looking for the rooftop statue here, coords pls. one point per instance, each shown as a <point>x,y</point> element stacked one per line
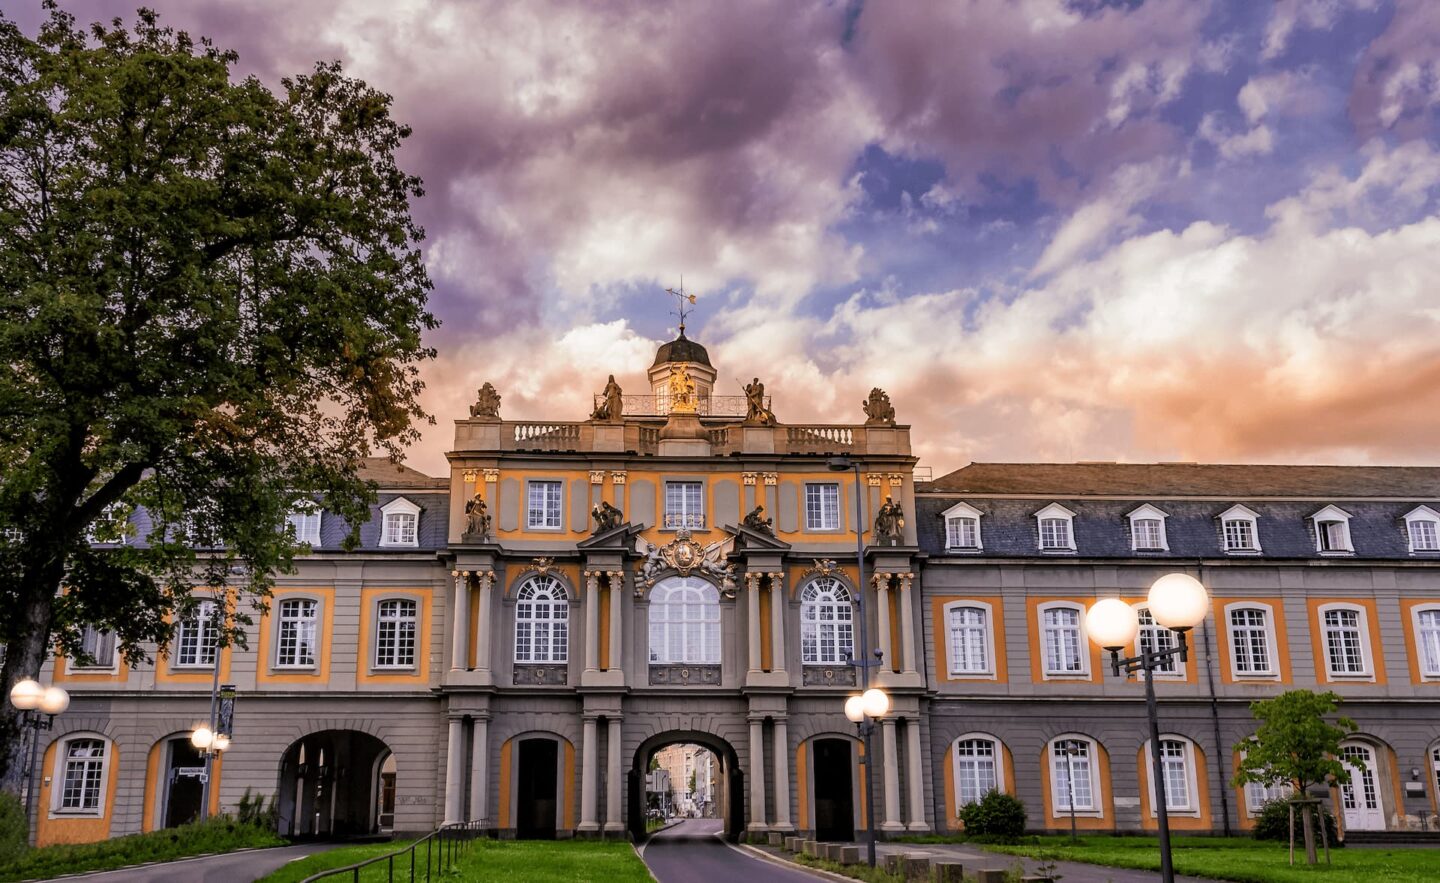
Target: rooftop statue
<point>487,403</point>
<point>890,523</point>
<point>878,410</point>
<point>612,409</point>
<point>477,518</point>
<point>606,516</point>
<point>757,521</point>
<point>682,391</point>
<point>755,411</point>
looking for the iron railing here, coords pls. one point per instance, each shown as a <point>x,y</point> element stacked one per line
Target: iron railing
<point>442,848</point>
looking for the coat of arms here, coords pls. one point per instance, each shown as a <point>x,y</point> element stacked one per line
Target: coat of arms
<point>683,555</point>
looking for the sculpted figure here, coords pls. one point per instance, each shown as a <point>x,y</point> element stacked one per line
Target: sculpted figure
<point>487,403</point>
<point>889,523</point>
<point>612,408</point>
<point>757,521</point>
<point>477,517</point>
<point>606,516</point>
<point>755,410</point>
<point>654,563</point>
<point>878,410</point>
<point>682,391</point>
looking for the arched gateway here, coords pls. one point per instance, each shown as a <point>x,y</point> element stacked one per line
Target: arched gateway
<point>732,780</point>
<point>336,784</point>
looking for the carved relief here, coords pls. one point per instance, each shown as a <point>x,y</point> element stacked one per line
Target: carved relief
<point>540,676</point>
<point>828,676</point>
<point>822,566</point>
<point>684,555</point>
<point>685,675</point>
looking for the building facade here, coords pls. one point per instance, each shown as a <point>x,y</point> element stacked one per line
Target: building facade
<point>513,642</point>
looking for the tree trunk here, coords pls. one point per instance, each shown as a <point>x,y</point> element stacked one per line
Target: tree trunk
<point>1307,819</point>
<point>23,659</point>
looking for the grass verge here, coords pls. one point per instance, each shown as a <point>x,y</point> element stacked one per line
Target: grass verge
<point>212,836</point>
<point>349,855</point>
<point>553,861</point>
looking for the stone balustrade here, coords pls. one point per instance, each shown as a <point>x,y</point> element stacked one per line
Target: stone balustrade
<point>640,437</point>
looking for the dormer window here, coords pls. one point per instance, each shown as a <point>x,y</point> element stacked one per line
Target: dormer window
<point>1239,529</point>
<point>1422,525</point>
<point>1147,530</point>
<point>962,528</point>
<point>1332,531</point>
<point>1055,523</point>
<point>400,522</point>
<point>304,522</point>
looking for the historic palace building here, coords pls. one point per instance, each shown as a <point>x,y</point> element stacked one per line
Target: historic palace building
<point>513,642</point>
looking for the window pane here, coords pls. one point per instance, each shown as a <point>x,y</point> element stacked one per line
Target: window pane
<point>543,504</point>
<point>684,504</point>
<point>822,507</point>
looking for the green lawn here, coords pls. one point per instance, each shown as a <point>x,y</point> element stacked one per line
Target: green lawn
<point>1247,861</point>
<point>216,835</point>
<point>349,855</point>
<point>559,861</point>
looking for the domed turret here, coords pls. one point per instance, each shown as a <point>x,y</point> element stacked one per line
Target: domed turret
<point>682,354</point>
<point>682,349</point>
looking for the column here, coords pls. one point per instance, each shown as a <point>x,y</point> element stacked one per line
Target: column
<point>777,624</point>
<point>892,778</point>
<point>588,759</point>
<point>460,623</point>
<point>782,776</point>
<point>752,592</point>
<point>480,771</point>
<point>915,772</point>
<point>617,596</point>
<point>454,771</point>
<point>882,611</point>
<point>592,620</point>
<point>757,775</point>
<point>613,776</point>
<point>482,636</point>
<point>907,624</point>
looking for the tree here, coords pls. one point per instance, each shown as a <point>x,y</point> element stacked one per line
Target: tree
<point>1294,744</point>
<point>213,302</point>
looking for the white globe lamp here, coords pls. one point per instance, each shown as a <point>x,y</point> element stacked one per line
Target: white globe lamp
<point>221,742</point>
<point>54,700</point>
<point>1111,623</point>
<point>877,702</point>
<point>202,737</point>
<point>1178,601</point>
<point>26,694</point>
<point>855,709</point>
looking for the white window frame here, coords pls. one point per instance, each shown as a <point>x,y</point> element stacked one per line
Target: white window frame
<point>61,769</point>
<point>827,622</point>
<point>316,632</point>
<point>1055,512</point>
<point>1272,650</point>
<point>1431,519</point>
<point>827,517</point>
<point>207,638</point>
<point>1148,513</point>
<point>997,758</point>
<point>700,637</point>
<point>110,517</point>
<point>1340,545</point>
<point>397,623</point>
<point>1191,805</point>
<point>400,508</point>
<point>1241,514</point>
<point>1257,795</point>
<point>95,638</point>
<point>1059,795</point>
<point>1084,642</point>
<point>304,523</point>
<point>958,513</point>
<point>542,594</point>
<point>1362,626</point>
<point>539,517</point>
<point>689,515</point>
<point>988,640</point>
<point>1164,639</point>
<point>1427,641</point>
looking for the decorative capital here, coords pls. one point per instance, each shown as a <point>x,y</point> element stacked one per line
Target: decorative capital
<point>748,478</point>
<point>617,477</point>
<point>597,476</point>
<point>897,479</point>
<point>469,475</point>
<point>771,478</point>
<point>491,475</point>
<point>873,479</point>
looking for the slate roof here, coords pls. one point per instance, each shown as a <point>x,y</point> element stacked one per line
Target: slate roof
<point>681,349</point>
<point>1208,480</point>
<point>386,474</point>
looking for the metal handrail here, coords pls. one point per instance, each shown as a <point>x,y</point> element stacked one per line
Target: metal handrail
<point>443,847</point>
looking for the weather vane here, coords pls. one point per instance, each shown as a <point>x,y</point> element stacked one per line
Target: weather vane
<point>681,298</point>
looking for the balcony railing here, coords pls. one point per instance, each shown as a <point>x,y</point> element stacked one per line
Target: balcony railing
<point>645,438</point>
<point>659,406</point>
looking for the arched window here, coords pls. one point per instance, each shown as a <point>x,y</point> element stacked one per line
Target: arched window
<point>81,765</point>
<point>1177,760</point>
<point>1073,770</point>
<point>542,621</point>
<point>684,622</point>
<point>827,622</point>
<point>978,769</point>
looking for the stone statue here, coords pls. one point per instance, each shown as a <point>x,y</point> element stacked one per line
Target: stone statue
<point>612,409</point>
<point>477,518</point>
<point>890,523</point>
<point>755,411</point>
<point>682,391</point>
<point>487,403</point>
<point>878,410</point>
<point>606,516</point>
<point>757,521</point>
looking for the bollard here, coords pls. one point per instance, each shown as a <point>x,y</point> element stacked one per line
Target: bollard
<point>989,876</point>
<point>916,867</point>
<point>895,863</point>
<point>947,872</point>
<point>809,848</point>
<point>849,855</point>
<point>776,838</point>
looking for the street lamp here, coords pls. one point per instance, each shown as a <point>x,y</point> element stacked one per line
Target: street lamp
<point>211,745</point>
<point>1178,602</point>
<point>38,706</point>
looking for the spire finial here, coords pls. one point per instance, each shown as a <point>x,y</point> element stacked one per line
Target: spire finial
<point>681,298</point>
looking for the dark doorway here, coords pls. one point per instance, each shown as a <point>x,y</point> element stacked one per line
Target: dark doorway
<point>834,791</point>
<point>536,783</point>
<point>332,786</point>
<point>184,788</point>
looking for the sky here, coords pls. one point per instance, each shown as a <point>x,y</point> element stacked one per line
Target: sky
<point>1084,230</point>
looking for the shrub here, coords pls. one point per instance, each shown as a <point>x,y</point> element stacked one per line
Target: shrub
<point>995,815</point>
<point>254,811</point>
<point>14,829</point>
<point>1273,823</point>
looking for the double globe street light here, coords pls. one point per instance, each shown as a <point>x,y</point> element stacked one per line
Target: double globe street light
<point>38,706</point>
<point>1178,602</point>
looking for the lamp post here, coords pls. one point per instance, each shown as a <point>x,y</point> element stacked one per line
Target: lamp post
<point>1178,602</point>
<point>38,706</point>
<point>858,708</point>
<point>1070,751</point>
<point>211,745</point>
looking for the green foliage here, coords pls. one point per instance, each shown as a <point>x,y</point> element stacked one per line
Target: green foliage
<point>997,814</point>
<point>214,301</point>
<point>14,829</point>
<point>221,834</point>
<point>298,870</point>
<point>1294,743</point>
<point>255,811</point>
<point>1273,823</point>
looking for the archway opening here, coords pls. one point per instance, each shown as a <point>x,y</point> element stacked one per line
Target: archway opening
<point>834,790</point>
<point>719,790</point>
<point>537,788</point>
<point>334,784</point>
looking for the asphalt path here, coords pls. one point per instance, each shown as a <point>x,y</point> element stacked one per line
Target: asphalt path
<point>233,867</point>
<point>694,851</point>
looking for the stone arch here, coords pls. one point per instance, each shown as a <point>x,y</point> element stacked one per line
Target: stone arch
<point>537,785</point>
<point>1384,779</point>
<point>732,777</point>
<point>328,784</point>
<point>820,794</point>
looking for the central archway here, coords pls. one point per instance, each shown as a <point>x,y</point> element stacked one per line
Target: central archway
<point>333,785</point>
<point>732,780</point>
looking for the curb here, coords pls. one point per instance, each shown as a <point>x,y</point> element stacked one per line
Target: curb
<point>180,860</point>
<point>785,862</point>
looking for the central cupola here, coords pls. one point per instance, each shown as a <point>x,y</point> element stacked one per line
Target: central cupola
<point>681,356</point>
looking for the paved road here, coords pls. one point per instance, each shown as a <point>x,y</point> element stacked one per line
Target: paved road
<point>235,867</point>
<point>693,852</point>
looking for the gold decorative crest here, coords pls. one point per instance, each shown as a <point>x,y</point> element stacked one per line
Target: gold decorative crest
<point>822,566</point>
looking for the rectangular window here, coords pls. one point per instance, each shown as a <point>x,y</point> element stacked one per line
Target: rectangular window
<point>685,505</point>
<point>1071,755</point>
<point>305,526</point>
<point>542,508</point>
<point>962,533</point>
<point>395,634</point>
<point>1239,535</point>
<point>1423,536</point>
<point>1429,622</point>
<point>400,528</point>
<point>197,637</point>
<point>1146,533</point>
<point>1062,641</point>
<point>975,768</point>
<point>84,773</point>
<point>969,644</point>
<point>1154,638</point>
<point>1054,533</point>
<point>1344,650</point>
<point>822,507</point>
<point>1332,536</point>
<point>1174,760</point>
<point>1250,642</point>
<point>98,646</point>
<point>1257,795</point>
<point>296,647</point>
